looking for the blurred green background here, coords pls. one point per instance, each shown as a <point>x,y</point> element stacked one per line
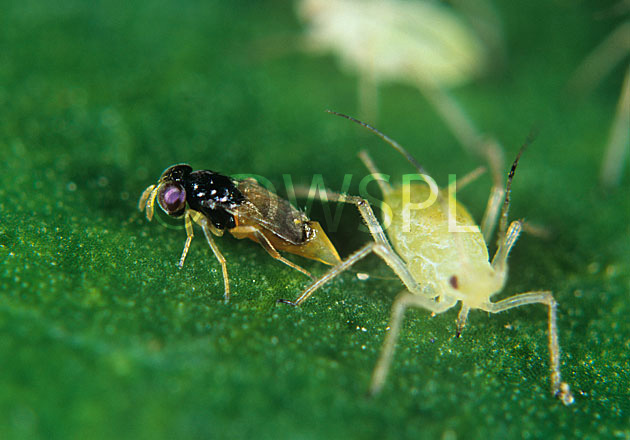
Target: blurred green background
<point>101,336</point>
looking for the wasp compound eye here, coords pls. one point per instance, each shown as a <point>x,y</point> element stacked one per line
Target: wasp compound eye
<point>172,199</point>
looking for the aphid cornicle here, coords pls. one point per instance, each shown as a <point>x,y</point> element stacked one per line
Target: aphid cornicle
<point>438,266</point>
<point>219,203</point>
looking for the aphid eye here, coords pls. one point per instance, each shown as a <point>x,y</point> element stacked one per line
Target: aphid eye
<point>172,198</point>
<point>454,282</point>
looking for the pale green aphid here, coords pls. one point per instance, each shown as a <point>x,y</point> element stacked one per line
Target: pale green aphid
<point>396,40</point>
<point>440,255</point>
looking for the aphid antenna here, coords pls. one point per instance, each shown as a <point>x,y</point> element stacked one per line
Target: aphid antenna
<point>464,257</point>
<point>387,139</point>
<point>508,186</point>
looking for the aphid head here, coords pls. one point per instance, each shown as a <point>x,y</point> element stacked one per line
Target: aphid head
<point>171,194</point>
<point>473,286</point>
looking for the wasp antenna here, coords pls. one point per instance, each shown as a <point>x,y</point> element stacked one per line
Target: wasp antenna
<point>387,139</point>
<point>508,187</point>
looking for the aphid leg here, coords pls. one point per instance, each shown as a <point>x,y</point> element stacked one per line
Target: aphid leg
<point>385,252</point>
<point>189,236</point>
<point>619,139</point>
<point>368,96</point>
<point>454,117</point>
<point>385,187</point>
<point>217,253</point>
<point>364,207</point>
<point>272,251</point>
<point>536,230</point>
<point>558,388</point>
<point>499,261</point>
<point>402,302</point>
<point>494,155</point>
<point>601,60</point>
<point>462,318</point>
<point>469,178</point>
<point>491,214</point>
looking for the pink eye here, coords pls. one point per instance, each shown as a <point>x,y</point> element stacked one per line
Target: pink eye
<point>172,198</point>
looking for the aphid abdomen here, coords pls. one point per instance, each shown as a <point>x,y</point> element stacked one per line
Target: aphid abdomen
<point>422,237</point>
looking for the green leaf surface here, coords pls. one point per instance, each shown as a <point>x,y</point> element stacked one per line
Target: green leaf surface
<point>102,336</point>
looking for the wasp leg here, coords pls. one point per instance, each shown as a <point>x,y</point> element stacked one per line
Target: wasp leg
<point>142,202</point>
<point>147,200</point>
<point>272,251</point>
<point>403,301</point>
<point>558,388</point>
<point>189,236</point>
<point>385,252</point>
<point>217,253</point>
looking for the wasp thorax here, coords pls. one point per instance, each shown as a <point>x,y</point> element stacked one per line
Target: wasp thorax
<point>172,198</point>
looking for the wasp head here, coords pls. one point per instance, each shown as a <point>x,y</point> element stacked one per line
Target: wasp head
<point>171,191</point>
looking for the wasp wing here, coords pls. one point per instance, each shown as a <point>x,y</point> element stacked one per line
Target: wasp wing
<point>275,214</point>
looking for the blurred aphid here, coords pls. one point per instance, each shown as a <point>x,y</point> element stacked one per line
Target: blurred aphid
<point>422,43</point>
<point>396,40</point>
<point>426,44</point>
<point>615,49</point>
